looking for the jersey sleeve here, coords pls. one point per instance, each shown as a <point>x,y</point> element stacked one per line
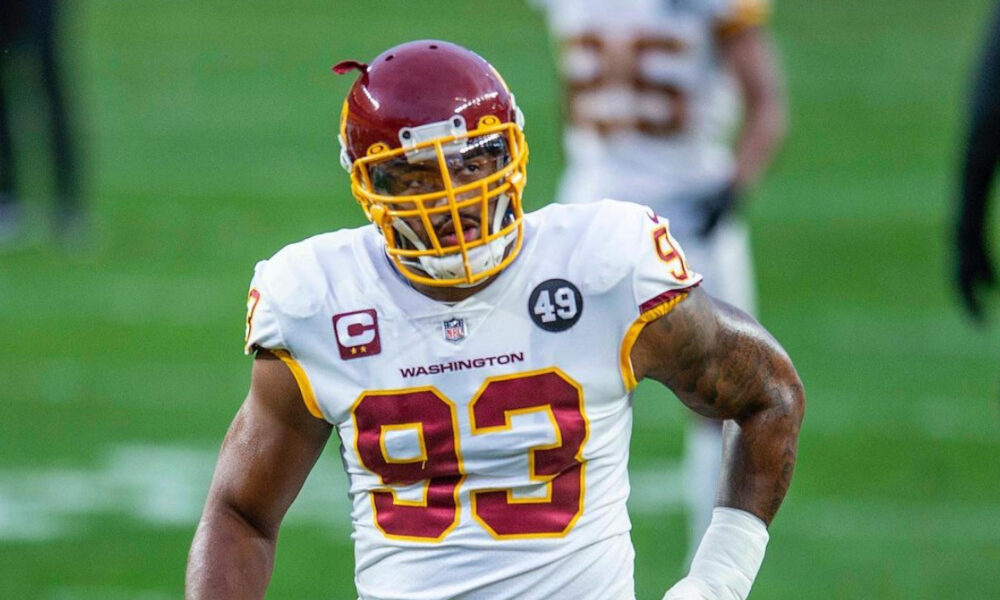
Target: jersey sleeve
<point>286,291</point>
<point>282,299</point>
<point>262,327</point>
<point>661,273</point>
<point>734,16</point>
<point>661,278</point>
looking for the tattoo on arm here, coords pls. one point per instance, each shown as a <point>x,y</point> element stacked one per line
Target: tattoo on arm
<point>724,365</point>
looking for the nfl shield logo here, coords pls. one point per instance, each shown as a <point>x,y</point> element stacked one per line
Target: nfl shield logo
<point>454,330</point>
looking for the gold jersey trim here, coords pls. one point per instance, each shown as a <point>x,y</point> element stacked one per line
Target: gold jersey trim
<point>308,396</point>
<point>654,313</point>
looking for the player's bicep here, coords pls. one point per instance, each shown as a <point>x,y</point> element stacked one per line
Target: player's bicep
<point>715,358</point>
<point>271,446</point>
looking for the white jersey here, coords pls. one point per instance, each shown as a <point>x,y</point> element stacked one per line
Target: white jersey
<point>486,442</point>
<point>649,106</point>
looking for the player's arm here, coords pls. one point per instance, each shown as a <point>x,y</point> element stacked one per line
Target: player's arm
<point>271,446</point>
<point>750,55</point>
<point>748,52</point>
<point>724,365</point>
<point>981,155</point>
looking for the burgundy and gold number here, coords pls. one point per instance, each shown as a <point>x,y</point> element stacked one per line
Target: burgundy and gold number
<point>438,466</point>
<point>253,299</point>
<point>667,252</point>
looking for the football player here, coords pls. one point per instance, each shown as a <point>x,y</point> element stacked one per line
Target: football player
<point>975,268</point>
<point>653,90</point>
<point>476,364</point>
<point>33,26</point>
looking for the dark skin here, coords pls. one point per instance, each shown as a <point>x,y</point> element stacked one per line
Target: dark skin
<point>272,445</point>
<point>404,178</point>
<point>718,361</point>
<point>723,365</point>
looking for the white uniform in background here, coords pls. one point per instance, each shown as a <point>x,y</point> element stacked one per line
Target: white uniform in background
<point>650,110</point>
<point>495,427</point>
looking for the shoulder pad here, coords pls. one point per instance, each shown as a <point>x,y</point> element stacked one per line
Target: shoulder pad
<point>605,240</point>
<point>294,280</point>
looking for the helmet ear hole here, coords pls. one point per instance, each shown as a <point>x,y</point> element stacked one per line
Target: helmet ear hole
<point>377,148</point>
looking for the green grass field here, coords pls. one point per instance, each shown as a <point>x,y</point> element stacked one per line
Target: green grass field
<point>208,131</point>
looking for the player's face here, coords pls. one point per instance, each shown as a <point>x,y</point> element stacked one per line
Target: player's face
<point>462,170</point>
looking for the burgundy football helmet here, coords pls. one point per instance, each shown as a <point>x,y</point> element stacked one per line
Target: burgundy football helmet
<point>433,141</point>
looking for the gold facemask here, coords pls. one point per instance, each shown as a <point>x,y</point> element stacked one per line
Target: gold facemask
<point>449,206</point>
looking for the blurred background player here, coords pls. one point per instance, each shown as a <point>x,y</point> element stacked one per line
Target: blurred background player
<point>654,89</point>
<point>33,26</point>
<point>981,154</point>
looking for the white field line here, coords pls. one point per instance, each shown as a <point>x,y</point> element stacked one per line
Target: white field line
<point>157,485</point>
<point>166,486</point>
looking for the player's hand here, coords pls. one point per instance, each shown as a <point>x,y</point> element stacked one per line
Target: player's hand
<point>689,589</point>
<point>715,207</point>
<point>975,271</point>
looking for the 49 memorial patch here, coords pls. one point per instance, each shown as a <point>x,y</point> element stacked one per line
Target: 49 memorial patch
<point>555,305</point>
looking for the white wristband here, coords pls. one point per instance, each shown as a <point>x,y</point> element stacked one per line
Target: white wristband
<point>727,560</point>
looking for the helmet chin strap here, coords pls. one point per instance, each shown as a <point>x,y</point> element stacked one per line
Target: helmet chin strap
<point>451,266</point>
